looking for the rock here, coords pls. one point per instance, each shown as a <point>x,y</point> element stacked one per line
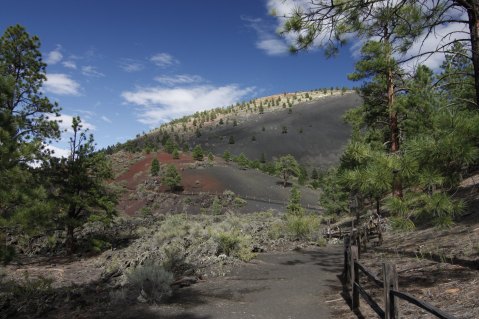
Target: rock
<point>185,281</point>
<point>143,297</point>
<point>257,249</point>
<point>189,272</point>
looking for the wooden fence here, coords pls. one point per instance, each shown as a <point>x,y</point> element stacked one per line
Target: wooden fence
<point>389,283</point>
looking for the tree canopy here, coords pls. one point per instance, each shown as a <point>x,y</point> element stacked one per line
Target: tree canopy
<point>287,166</point>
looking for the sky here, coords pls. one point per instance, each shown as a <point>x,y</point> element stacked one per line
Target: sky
<point>126,67</point>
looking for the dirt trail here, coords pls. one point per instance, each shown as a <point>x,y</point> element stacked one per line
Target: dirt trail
<point>275,285</point>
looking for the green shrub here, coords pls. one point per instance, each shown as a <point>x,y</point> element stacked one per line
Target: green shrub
<point>234,243</point>
<point>175,255</point>
<point>277,230</point>
<point>228,242</point>
<point>216,207</point>
<point>173,226</point>
<point>245,254</point>
<point>321,241</point>
<point>145,211</point>
<point>29,287</point>
<point>302,226</point>
<point>239,202</point>
<point>98,245</point>
<point>198,153</point>
<point>151,281</point>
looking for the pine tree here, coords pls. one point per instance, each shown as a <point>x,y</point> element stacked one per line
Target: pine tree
<point>155,167</point>
<point>81,181</point>
<point>303,175</point>
<point>261,109</point>
<point>198,153</point>
<point>227,156</point>
<point>175,154</point>
<point>231,140</point>
<point>294,206</point>
<point>169,146</point>
<point>25,126</point>
<point>287,166</point>
<point>171,177</point>
<point>242,161</point>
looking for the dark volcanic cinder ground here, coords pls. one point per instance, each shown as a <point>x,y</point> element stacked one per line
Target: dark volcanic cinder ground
<point>319,145</point>
<point>275,285</point>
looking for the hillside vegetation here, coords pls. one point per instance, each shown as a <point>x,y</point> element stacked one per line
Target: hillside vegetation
<point>308,125</point>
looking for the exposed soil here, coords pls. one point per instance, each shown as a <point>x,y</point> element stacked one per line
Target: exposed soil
<point>262,191</point>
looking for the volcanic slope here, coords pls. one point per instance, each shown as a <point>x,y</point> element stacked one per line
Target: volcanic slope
<point>261,191</point>
<point>316,133</point>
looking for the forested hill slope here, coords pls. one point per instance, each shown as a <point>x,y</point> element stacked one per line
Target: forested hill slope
<point>313,132</point>
<point>307,125</point>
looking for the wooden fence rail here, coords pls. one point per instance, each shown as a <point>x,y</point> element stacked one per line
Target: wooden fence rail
<point>253,198</point>
<point>389,284</point>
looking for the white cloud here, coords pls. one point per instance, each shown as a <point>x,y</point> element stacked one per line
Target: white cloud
<point>163,60</point>
<point>131,65</point>
<point>69,65</point>
<point>178,79</point>
<point>442,35</point>
<point>58,151</point>
<point>160,104</point>
<point>55,56</point>
<point>272,46</point>
<point>61,84</point>
<point>106,119</point>
<point>65,123</point>
<point>267,41</point>
<point>89,70</point>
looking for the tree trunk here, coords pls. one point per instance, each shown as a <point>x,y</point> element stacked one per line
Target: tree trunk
<point>473,17</point>
<point>378,211</point>
<point>393,115</point>
<point>393,126</point>
<point>70,240</point>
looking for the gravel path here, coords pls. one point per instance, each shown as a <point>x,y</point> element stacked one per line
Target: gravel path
<point>275,285</point>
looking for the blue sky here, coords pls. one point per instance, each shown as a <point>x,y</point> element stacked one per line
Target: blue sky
<point>127,66</point>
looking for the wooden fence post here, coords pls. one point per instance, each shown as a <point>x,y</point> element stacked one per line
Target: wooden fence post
<point>390,278</point>
<point>346,257</point>
<point>354,277</point>
<point>365,239</point>
<point>329,230</point>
